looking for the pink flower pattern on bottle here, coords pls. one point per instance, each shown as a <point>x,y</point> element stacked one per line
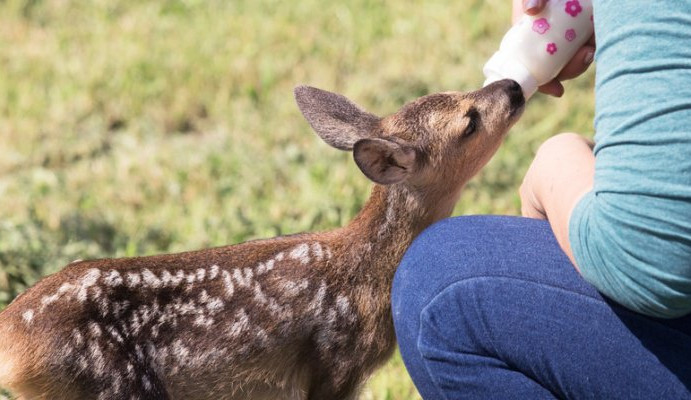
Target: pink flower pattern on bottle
<point>570,35</point>
<point>551,48</point>
<point>573,8</point>
<point>541,26</point>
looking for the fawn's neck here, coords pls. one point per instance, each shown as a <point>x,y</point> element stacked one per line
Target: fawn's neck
<point>372,246</point>
<point>380,234</point>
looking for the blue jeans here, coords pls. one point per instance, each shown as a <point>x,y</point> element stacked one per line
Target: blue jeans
<point>490,307</point>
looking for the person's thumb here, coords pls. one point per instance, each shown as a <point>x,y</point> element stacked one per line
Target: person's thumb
<point>578,64</point>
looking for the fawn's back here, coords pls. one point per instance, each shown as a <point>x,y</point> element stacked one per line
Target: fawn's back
<point>200,315</point>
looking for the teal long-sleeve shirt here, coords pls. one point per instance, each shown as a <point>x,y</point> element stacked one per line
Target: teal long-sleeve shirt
<point>631,235</point>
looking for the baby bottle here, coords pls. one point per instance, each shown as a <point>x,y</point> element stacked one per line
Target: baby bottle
<point>537,48</point>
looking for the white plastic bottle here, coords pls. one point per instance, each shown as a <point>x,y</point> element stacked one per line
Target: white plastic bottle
<point>537,48</point>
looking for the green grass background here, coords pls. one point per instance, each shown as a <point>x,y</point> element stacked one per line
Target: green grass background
<point>134,127</point>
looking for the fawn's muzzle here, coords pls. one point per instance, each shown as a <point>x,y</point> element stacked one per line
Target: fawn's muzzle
<point>504,90</point>
<point>515,93</point>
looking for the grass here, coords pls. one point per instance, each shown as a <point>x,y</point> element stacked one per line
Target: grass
<point>140,127</point>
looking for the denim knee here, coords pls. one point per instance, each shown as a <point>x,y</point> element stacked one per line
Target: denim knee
<point>417,278</point>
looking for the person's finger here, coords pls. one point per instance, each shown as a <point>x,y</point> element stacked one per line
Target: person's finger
<point>552,88</point>
<point>532,7</point>
<point>578,64</point>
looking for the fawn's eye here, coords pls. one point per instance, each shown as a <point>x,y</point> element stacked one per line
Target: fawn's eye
<point>470,128</point>
<point>473,116</point>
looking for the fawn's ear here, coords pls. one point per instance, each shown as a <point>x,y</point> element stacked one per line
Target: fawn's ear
<point>337,120</point>
<point>384,161</point>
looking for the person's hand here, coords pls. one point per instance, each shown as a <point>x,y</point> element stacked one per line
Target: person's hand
<point>578,64</point>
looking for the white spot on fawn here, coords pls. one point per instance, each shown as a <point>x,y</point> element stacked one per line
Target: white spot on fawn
<point>130,370</point>
<point>327,335</point>
<point>64,288</point>
<point>228,284</point>
<point>47,300</point>
<point>103,307</point>
<point>342,304</point>
<point>117,384</point>
<point>201,274</point>
<point>213,272</point>
<point>263,267</point>
<point>331,317</point>
<point>203,321</point>
<point>317,302</point>
<point>390,213</point>
<point>91,277</point>
<point>83,365</point>
<point>95,329</point>
<point>77,337</point>
<point>215,305</point>
<point>162,356</point>
<point>180,352</point>
<point>262,336</point>
<point>203,297</point>
<point>301,252</point>
<point>145,314</point>
<point>240,324</point>
<point>147,383</point>
<point>280,312</point>
<point>96,292</point>
<point>270,265</point>
<point>97,357</point>
<point>243,280</point>
<point>151,279</point>
<point>267,266</point>
<point>88,280</point>
<point>259,295</point>
<point>28,316</point>
<point>114,334</point>
<point>186,308</point>
<point>317,250</point>
<point>139,352</point>
<point>292,289</point>
<point>113,278</point>
<point>135,323</point>
<point>167,279</point>
<point>133,279</point>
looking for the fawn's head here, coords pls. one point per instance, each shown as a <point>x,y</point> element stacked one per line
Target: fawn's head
<point>433,145</point>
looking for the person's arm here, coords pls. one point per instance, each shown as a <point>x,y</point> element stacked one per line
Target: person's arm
<point>561,173</point>
<point>578,64</point>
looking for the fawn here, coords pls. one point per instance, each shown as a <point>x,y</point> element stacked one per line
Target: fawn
<point>305,316</point>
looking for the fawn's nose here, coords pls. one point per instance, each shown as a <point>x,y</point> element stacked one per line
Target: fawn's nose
<point>515,92</point>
